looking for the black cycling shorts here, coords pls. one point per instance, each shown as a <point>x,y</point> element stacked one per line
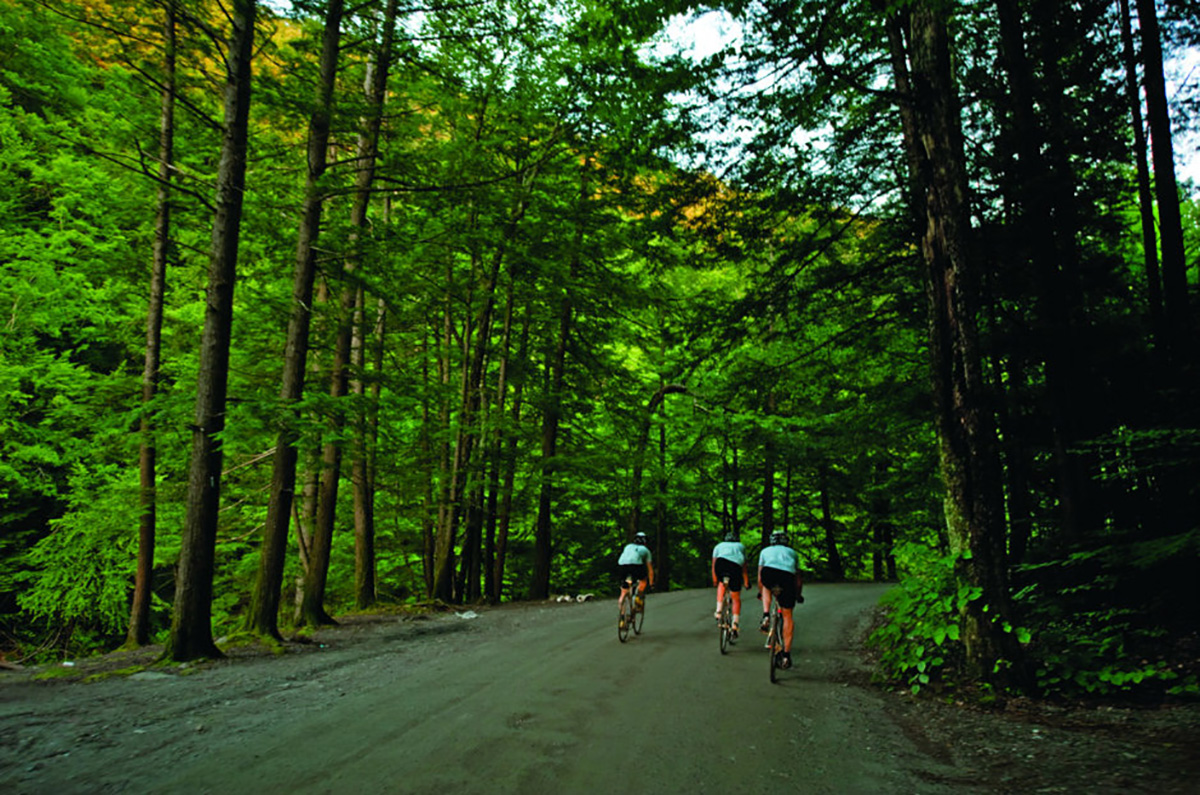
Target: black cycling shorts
<point>786,580</point>
<point>636,570</point>
<point>727,568</point>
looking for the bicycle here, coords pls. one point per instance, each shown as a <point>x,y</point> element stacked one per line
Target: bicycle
<point>775,632</point>
<point>725,622</point>
<point>631,611</point>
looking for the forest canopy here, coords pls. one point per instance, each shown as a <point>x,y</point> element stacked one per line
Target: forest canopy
<point>320,307</point>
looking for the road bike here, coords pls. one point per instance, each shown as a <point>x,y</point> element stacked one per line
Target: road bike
<point>631,611</point>
<point>775,632</point>
<point>725,621</point>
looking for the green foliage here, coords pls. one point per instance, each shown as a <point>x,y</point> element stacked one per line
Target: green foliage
<point>919,640</point>
<point>1115,619</point>
<point>79,576</point>
<point>1093,653</point>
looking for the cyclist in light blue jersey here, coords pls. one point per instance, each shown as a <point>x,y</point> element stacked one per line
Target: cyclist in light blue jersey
<point>635,561</point>
<point>778,564</point>
<point>729,560</point>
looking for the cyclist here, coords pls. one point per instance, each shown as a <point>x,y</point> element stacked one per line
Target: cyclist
<point>635,561</point>
<point>778,564</point>
<point>729,560</point>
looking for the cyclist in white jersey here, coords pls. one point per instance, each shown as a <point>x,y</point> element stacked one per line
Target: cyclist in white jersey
<point>635,560</point>
<point>778,564</point>
<point>729,560</point>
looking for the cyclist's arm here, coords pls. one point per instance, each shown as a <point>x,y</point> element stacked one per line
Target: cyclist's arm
<point>650,569</point>
<point>745,575</point>
<point>714,570</point>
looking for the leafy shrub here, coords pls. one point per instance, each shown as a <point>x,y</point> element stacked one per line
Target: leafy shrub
<point>920,638</point>
<point>1103,628</point>
<point>920,643</point>
<point>77,579</point>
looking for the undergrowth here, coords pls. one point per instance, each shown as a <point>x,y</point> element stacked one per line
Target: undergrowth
<point>1095,624</point>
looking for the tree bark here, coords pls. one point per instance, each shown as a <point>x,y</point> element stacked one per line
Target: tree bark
<point>1166,190</point>
<point>191,625</point>
<point>837,571</point>
<point>1043,188</point>
<point>362,469</point>
<point>769,464</point>
<point>262,616</point>
<point>1154,296</point>
<point>504,517</point>
<point>139,618</point>
<point>974,515</point>
<point>639,455</point>
<point>472,393</point>
<point>542,542</point>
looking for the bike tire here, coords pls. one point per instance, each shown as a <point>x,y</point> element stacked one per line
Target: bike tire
<point>639,615</point>
<point>624,620</point>
<point>774,646</point>
<point>726,625</point>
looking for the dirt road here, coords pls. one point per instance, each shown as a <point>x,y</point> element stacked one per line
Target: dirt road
<point>529,699</point>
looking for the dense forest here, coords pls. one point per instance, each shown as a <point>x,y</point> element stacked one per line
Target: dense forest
<point>325,306</point>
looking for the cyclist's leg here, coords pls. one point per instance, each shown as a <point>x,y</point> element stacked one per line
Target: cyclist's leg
<point>720,597</point>
<point>788,627</point>
<point>624,585</point>
<point>766,602</point>
<point>734,589</point>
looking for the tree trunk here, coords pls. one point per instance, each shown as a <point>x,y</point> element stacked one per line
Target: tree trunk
<point>313,606</point>
<point>143,587</point>
<point>837,571</point>
<point>1044,189</point>
<point>974,515</point>
<point>768,490</point>
<point>443,543</point>
<point>662,540</point>
<point>639,455</point>
<point>191,625</point>
<point>364,472</point>
<point>262,615</point>
<point>426,459</point>
<point>360,478</point>
<point>1166,190</point>
<point>1145,195</point>
<point>361,467</point>
<point>504,518</point>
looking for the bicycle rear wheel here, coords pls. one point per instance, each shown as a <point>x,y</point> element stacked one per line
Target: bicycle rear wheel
<point>726,623</point>
<point>774,642</point>
<point>625,618</point>
<point>639,615</point>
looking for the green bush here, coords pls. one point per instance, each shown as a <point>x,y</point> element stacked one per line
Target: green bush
<point>919,642</point>
<point>76,581</point>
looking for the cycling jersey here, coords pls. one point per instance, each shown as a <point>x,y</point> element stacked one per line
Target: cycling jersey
<point>779,557</point>
<point>730,550</point>
<point>634,555</point>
